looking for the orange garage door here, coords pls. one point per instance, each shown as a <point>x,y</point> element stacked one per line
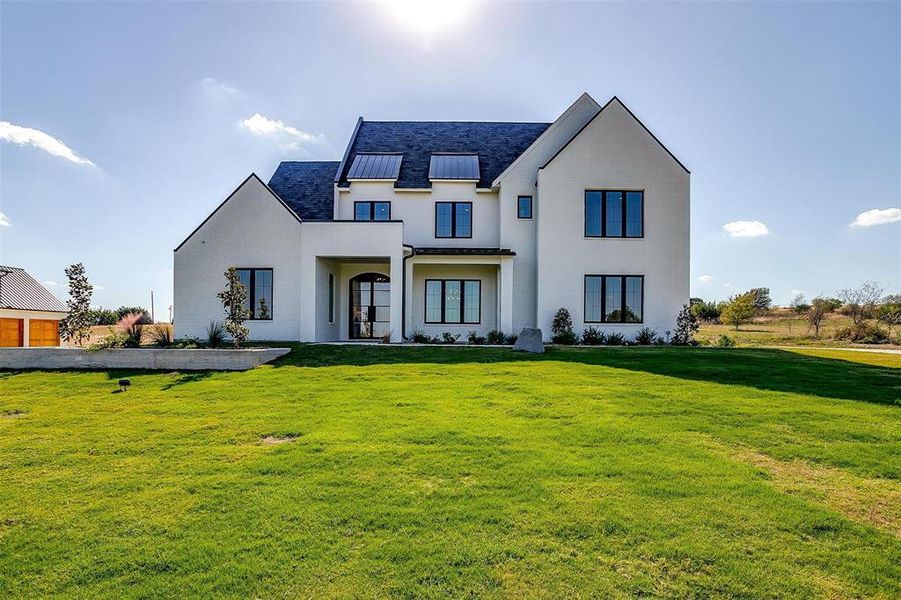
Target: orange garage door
<point>11,332</point>
<point>43,332</point>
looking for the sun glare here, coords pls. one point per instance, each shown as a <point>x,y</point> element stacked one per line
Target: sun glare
<point>427,16</point>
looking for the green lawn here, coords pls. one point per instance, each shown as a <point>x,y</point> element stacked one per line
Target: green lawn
<point>435,472</point>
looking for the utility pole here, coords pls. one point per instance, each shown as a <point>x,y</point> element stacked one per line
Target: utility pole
<point>152,318</point>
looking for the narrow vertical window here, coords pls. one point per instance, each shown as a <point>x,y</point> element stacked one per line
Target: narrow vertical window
<point>613,296</point>
<point>593,208</point>
<point>472,301</point>
<point>331,298</point>
<point>593,299</point>
<point>633,300</point>
<point>613,214</point>
<point>524,207</point>
<point>453,299</point>
<point>433,294</point>
<point>634,214</point>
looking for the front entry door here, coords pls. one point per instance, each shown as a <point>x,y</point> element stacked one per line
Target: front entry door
<point>370,306</point>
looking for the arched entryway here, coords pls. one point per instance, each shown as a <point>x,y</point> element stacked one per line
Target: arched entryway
<point>370,306</point>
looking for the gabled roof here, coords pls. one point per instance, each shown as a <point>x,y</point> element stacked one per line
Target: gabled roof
<point>20,291</point>
<point>496,144</point>
<point>308,188</point>
<point>631,114</point>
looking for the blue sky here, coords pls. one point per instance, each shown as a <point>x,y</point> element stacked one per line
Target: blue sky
<point>787,114</point>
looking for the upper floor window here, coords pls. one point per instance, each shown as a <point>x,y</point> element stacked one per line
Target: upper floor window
<point>524,207</point>
<point>453,301</point>
<point>258,283</point>
<point>372,211</point>
<point>611,213</point>
<point>614,298</point>
<point>453,219</point>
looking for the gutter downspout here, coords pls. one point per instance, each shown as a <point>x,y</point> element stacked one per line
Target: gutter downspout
<point>403,291</point>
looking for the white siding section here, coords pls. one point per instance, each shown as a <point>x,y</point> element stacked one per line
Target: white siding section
<point>252,229</point>
<point>613,152</point>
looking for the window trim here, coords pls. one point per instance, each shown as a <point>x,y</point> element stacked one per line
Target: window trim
<point>444,321</point>
<point>531,207</point>
<point>453,234</point>
<point>252,291</point>
<point>371,204</point>
<point>603,234</point>
<point>603,277</point>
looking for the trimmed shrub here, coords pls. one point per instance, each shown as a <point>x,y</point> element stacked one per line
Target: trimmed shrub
<point>449,338</point>
<point>511,339</point>
<point>475,338</point>
<point>592,336</point>
<point>562,328</point>
<point>161,335</point>
<point>614,338</point>
<point>116,339</point>
<point>646,336</point>
<point>496,337</point>
<point>724,341</point>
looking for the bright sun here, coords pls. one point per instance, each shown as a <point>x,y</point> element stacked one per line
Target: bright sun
<point>427,16</point>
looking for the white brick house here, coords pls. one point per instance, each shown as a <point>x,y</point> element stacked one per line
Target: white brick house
<point>453,226</point>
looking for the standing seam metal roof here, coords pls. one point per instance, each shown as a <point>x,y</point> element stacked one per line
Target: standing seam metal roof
<point>21,291</point>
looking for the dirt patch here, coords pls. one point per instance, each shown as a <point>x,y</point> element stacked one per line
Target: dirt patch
<point>12,413</point>
<point>275,440</point>
<point>876,502</point>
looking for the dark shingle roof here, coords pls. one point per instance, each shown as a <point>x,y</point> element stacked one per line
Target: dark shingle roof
<point>307,187</point>
<point>19,290</point>
<point>496,144</point>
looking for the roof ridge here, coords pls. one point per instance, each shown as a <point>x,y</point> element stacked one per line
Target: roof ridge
<point>474,122</point>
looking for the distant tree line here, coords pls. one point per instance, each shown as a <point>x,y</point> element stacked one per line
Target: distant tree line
<point>875,317</point>
<point>109,316</point>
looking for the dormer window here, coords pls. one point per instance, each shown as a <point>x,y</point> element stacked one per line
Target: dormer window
<point>369,167</point>
<point>454,167</point>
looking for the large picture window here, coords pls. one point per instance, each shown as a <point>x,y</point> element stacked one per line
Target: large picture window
<point>612,213</point>
<point>453,301</point>
<point>258,283</point>
<point>372,211</point>
<point>453,219</point>
<point>614,299</point>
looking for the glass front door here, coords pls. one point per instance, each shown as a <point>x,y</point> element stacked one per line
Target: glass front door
<point>370,306</point>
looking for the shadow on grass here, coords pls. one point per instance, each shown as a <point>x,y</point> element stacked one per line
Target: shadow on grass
<point>176,378</point>
<point>766,369</point>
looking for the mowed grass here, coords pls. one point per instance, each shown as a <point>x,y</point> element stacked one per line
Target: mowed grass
<point>436,472</point>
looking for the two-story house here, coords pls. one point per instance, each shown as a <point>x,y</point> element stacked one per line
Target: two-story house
<point>453,226</point>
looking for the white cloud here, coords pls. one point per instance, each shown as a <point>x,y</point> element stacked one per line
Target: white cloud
<point>99,287</point>
<point>291,137</point>
<point>796,292</point>
<point>4,221</point>
<point>727,285</point>
<point>217,92</point>
<point>704,278</point>
<point>877,216</point>
<point>26,136</point>
<point>738,229</point>
<point>50,283</point>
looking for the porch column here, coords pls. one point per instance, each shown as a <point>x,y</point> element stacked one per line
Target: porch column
<point>397,295</point>
<point>505,295</point>
<point>408,295</point>
<point>308,298</point>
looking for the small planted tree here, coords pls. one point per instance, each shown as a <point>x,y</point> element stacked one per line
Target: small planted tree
<point>860,302</point>
<point>889,313</point>
<point>562,328</point>
<point>686,327</point>
<point>739,309</point>
<point>234,298</point>
<point>816,314</point>
<point>76,325</point>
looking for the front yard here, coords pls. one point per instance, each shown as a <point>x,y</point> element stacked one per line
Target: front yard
<point>434,472</point>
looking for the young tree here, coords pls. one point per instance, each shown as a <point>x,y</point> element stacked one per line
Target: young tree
<point>76,325</point>
<point>739,309</point>
<point>233,298</point>
<point>860,302</point>
<point>562,328</point>
<point>799,305</point>
<point>686,327</point>
<point>889,313</point>
<point>816,314</point>
<point>761,299</point>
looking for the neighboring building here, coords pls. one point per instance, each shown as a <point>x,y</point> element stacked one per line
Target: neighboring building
<point>29,313</point>
<point>453,226</point>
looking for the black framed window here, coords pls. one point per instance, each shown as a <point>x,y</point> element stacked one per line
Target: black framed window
<point>524,207</point>
<point>331,298</point>
<point>453,219</point>
<point>258,283</point>
<point>614,213</point>
<point>372,211</point>
<point>614,299</point>
<point>453,301</point>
